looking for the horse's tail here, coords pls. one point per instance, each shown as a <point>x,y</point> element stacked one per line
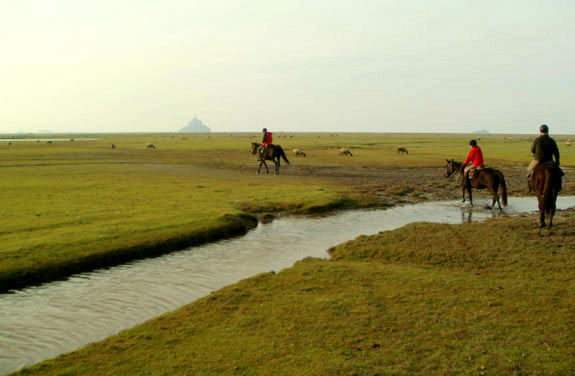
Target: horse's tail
<point>548,190</point>
<point>503,189</point>
<point>283,155</point>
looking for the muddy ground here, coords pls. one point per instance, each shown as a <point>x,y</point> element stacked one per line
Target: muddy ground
<point>384,186</point>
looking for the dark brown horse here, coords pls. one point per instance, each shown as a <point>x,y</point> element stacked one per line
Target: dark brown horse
<point>489,178</point>
<point>546,182</point>
<point>272,153</point>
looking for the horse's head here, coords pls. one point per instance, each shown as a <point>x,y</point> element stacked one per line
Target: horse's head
<point>255,147</point>
<point>450,167</point>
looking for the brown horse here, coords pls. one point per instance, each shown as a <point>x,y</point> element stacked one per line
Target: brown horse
<point>489,178</point>
<point>272,153</point>
<point>546,182</point>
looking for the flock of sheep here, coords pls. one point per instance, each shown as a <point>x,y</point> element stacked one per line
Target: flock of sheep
<point>342,152</point>
<point>301,153</point>
<point>345,152</point>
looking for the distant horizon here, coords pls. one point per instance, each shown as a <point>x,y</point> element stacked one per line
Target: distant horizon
<point>323,65</point>
<point>281,132</point>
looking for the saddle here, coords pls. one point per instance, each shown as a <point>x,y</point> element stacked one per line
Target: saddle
<point>263,149</point>
<point>475,172</point>
<point>552,165</point>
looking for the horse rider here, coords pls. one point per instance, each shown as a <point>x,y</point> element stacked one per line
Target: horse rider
<point>544,149</point>
<point>473,162</point>
<point>266,140</point>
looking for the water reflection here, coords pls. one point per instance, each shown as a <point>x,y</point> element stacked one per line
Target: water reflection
<point>466,215</point>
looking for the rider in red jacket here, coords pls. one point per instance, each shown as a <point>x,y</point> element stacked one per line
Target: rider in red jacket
<point>267,139</point>
<point>474,160</point>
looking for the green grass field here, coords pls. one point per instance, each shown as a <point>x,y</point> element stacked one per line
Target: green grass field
<point>491,298</point>
<point>481,298</point>
<point>72,206</point>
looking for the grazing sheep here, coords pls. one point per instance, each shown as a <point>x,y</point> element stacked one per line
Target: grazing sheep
<point>151,146</point>
<point>9,143</point>
<point>298,153</point>
<point>401,149</point>
<point>568,143</point>
<point>37,141</point>
<point>71,140</point>
<point>113,146</point>
<point>49,142</point>
<point>345,151</point>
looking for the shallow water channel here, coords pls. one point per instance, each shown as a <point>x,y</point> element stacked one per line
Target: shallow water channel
<point>41,322</point>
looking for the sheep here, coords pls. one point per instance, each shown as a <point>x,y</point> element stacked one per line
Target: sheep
<point>345,151</point>
<point>298,153</point>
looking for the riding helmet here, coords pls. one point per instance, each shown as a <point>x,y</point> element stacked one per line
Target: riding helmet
<point>473,143</point>
<point>544,128</point>
<point>264,130</point>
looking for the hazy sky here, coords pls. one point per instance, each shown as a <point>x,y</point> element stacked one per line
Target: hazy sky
<point>406,65</point>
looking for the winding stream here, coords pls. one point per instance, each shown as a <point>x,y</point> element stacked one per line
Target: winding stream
<point>41,322</point>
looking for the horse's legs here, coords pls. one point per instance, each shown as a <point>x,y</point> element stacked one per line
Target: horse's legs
<point>541,210</point>
<point>541,218</point>
<point>463,192</point>
<point>469,193</point>
<point>277,162</point>
<point>263,162</point>
<point>495,197</point>
<point>551,214</point>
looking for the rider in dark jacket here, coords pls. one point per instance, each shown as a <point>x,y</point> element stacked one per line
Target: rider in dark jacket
<point>544,150</point>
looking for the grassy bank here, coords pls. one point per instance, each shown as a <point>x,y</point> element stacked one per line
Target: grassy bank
<point>72,206</point>
<point>487,298</point>
<point>63,219</point>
